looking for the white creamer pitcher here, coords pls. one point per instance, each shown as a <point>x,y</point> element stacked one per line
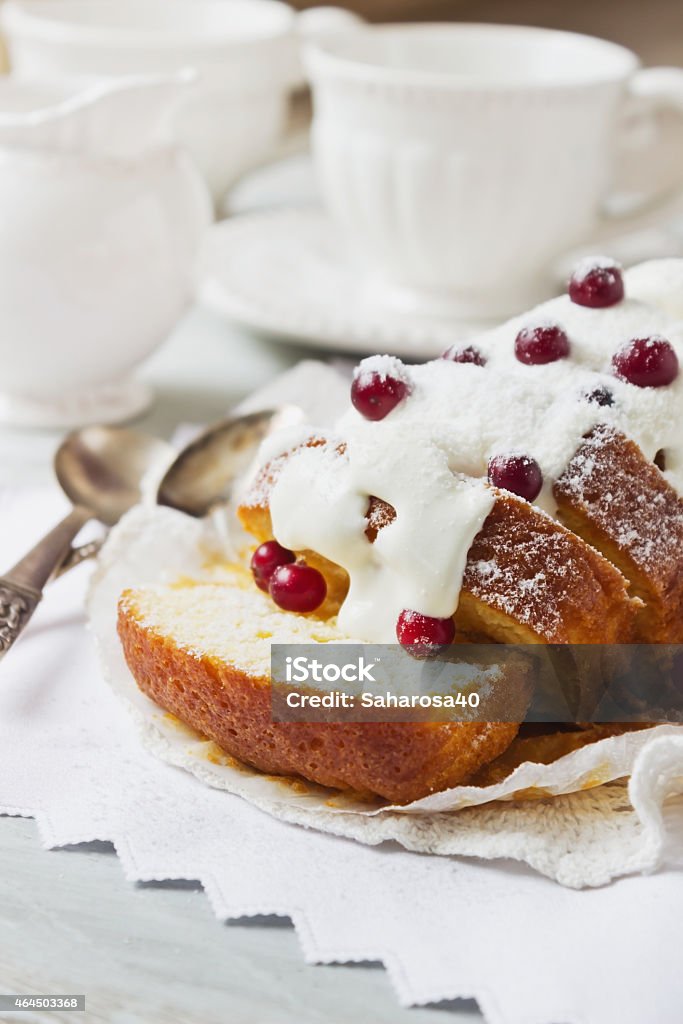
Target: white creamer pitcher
<point>101,221</point>
<point>246,52</point>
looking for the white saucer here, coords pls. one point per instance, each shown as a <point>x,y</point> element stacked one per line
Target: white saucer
<point>284,273</point>
<point>115,402</point>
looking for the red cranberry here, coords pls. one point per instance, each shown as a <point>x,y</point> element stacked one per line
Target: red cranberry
<point>646,362</point>
<point>543,344</point>
<point>423,635</point>
<point>374,392</point>
<point>455,354</point>
<point>600,396</point>
<point>266,559</point>
<point>596,283</point>
<point>516,473</point>
<point>297,588</point>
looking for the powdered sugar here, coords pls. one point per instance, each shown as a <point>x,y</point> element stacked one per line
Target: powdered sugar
<point>488,570</point>
<point>649,342</point>
<point>381,366</point>
<point>428,457</point>
<point>588,263</point>
<point>605,478</point>
<point>544,322</point>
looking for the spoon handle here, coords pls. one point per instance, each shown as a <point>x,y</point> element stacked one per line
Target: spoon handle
<point>75,556</point>
<point>22,587</point>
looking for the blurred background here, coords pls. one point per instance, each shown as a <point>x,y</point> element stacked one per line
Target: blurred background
<point>244,123</point>
<point>654,28</point>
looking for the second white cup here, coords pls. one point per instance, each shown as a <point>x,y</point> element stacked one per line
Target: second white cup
<point>461,161</point>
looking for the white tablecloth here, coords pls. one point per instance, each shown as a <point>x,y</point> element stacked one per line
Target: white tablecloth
<point>530,951</point>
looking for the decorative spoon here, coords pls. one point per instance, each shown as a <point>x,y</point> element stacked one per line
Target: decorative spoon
<point>203,474</point>
<point>100,469</point>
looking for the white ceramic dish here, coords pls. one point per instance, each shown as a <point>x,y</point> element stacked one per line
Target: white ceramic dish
<point>462,161</point>
<point>288,273</point>
<point>285,273</point>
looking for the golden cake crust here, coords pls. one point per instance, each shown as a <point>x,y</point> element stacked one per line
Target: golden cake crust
<point>399,761</point>
<point>623,505</point>
<point>528,579</point>
<point>540,579</point>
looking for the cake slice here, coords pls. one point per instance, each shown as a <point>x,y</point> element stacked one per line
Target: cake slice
<point>202,652</point>
<point>623,505</point>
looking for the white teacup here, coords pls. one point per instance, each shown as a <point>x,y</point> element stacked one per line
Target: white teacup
<point>461,161</point>
<point>245,51</point>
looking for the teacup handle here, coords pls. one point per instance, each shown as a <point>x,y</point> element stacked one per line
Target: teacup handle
<point>652,91</point>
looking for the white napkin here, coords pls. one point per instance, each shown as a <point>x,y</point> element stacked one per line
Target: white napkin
<point>527,949</point>
<point>596,834</point>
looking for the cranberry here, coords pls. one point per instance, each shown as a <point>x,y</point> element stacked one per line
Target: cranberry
<point>423,635</point>
<point>596,283</point>
<point>464,355</point>
<point>375,392</point>
<point>543,344</point>
<point>600,396</point>
<point>646,362</point>
<point>266,559</point>
<point>516,473</point>
<point>297,588</point>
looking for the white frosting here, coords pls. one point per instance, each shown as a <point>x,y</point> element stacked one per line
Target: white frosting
<point>428,458</point>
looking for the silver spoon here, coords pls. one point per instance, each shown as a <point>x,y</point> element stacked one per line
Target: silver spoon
<point>100,469</point>
<point>203,474</point>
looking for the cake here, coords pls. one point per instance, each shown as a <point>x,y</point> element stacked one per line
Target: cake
<point>203,654</point>
<point>524,488</point>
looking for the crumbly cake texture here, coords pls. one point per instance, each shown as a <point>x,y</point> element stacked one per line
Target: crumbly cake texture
<point>203,654</point>
<point>229,618</point>
<point>546,583</point>
<point>622,504</point>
